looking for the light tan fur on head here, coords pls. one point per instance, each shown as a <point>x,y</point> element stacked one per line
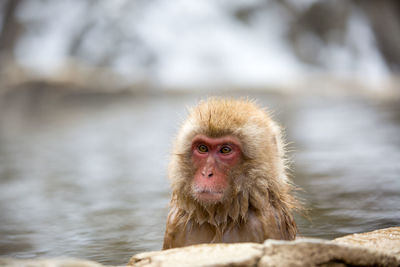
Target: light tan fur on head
<point>263,164</point>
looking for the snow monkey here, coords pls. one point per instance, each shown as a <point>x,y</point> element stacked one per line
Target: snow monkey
<point>228,177</point>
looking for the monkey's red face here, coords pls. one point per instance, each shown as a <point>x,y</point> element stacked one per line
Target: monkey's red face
<point>213,158</point>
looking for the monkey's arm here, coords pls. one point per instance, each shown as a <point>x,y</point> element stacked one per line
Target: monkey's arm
<point>279,224</point>
<point>170,230</point>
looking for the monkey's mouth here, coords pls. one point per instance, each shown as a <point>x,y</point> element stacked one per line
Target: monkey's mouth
<point>208,195</point>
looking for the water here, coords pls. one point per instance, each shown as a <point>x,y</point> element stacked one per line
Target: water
<point>84,175</point>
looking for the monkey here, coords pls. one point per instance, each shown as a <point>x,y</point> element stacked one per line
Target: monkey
<point>228,174</point>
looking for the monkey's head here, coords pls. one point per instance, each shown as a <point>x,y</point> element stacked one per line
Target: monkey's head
<point>225,150</point>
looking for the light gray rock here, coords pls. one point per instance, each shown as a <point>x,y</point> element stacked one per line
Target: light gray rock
<point>242,254</point>
<point>385,240</point>
<point>302,252</point>
<point>316,252</point>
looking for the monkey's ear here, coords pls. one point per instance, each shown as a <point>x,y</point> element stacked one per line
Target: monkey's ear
<point>185,135</point>
<point>277,139</point>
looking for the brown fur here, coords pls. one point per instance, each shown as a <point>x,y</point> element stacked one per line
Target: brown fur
<point>259,203</point>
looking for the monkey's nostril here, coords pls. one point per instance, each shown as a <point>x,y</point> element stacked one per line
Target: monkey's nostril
<point>210,174</point>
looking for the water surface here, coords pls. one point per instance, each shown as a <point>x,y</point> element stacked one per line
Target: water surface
<point>84,175</point>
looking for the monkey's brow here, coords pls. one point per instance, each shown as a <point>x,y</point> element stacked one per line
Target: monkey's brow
<point>229,143</point>
<point>248,158</point>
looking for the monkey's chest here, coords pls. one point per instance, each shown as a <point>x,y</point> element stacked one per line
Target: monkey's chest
<point>207,233</point>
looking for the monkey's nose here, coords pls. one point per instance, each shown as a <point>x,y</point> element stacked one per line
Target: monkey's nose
<point>207,173</point>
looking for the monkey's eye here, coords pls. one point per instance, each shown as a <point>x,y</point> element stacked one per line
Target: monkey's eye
<point>202,148</point>
<point>226,150</point>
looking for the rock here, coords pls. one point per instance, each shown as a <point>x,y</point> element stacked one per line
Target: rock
<point>241,254</point>
<point>316,252</point>
<point>384,240</point>
<point>302,252</point>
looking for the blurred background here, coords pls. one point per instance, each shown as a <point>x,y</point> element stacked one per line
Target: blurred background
<point>93,92</point>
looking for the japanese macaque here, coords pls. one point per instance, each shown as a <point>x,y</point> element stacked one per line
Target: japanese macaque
<point>228,178</point>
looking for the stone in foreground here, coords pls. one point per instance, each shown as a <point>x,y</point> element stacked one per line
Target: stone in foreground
<point>302,252</point>
<point>242,254</point>
<point>385,240</point>
<point>317,252</point>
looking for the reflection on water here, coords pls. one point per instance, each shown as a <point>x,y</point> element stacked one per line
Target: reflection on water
<point>85,176</point>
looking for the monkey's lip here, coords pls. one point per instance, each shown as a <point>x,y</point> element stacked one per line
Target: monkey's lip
<point>208,195</point>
